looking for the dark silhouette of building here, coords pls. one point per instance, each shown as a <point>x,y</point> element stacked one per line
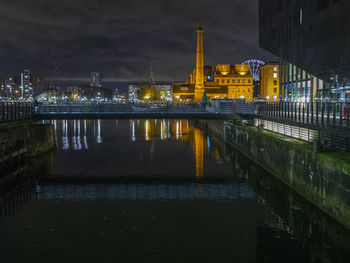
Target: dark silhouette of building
<point>312,39</point>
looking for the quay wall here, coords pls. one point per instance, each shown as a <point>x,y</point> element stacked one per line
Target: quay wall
<point>322,178</point>
<point>21,141</point>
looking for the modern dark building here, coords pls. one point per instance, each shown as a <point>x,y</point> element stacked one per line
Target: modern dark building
<point>312,39</point>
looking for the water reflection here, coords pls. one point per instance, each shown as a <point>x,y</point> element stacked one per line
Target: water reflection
<point>138,130</point>
<point>132,189</point>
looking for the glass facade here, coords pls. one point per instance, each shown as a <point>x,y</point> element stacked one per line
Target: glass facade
<point>309,37</point>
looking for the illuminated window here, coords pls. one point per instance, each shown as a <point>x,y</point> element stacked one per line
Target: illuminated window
<point>275,69</point>
<point>275,75</point>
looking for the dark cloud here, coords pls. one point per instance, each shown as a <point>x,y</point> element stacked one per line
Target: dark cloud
<point>118,37</point>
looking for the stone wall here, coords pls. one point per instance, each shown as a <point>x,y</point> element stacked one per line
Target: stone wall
<point>22,141</point>
<point>322,178</point>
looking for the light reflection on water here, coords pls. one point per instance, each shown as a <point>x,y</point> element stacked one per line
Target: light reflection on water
<point>130,188</point>
<point>81,135</point>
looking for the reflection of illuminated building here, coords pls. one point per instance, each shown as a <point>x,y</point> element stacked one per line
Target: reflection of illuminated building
<point>222,81</point>
<point>199,151</point>
<point>179,130</point>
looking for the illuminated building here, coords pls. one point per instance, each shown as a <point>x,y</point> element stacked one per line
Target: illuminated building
<point>269,82</point>
<point>96,79</point>
<point>159,92</point>
<point>222,81</point>
<point>26,86</point>
<point>312,40</point>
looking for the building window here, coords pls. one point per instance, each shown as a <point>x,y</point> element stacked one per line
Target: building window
<point>249,80</point>
<point>248,90</point>
<point>274,90</point>
<point>243,80</point>
<point>228,81</point>
<point>275,69</point>
<point>275,75</point>
<point>217,81</point>
<point>239,81</point>
<point>275,82</point>
<point>222,81</point>
<point>233,81</point>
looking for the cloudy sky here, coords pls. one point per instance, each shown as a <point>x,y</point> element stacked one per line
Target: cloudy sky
<point>120,37</point>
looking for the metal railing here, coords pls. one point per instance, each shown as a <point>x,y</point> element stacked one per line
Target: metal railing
<point>226,108</point>
<point>324,114</point>
<point>323,122</point>
<point>15,111</point>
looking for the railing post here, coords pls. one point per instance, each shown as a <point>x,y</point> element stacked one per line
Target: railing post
<point>322,113</point>
<point>334,113</point>
<point>3,111</point>
<point>7,111</point>
<point>341,114</point>
<point>317,112</point>
<point>328,113</point>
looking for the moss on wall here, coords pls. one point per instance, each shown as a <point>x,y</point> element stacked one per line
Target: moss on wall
<point>322,178</point>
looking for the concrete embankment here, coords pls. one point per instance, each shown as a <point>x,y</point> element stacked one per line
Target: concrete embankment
<point>322,178</point>
<point>19,142</point>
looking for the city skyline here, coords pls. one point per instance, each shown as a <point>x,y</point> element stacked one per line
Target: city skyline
<point>117,38</point>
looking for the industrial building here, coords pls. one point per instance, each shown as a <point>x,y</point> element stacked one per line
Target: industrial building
<point>222,81</point>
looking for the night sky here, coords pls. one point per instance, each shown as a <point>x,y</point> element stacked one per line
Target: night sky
<point>118,37</point>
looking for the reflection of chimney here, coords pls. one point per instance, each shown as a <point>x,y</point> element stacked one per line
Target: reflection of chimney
<point>199,65</point>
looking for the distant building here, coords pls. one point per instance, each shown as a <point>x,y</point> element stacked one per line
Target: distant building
<point>269,82</point>
<point>312,40</point>
<point>96,79</point>
<point>37,85</point>
<point>26,85</point>
<point>222,81</point>
<point>159,92</point>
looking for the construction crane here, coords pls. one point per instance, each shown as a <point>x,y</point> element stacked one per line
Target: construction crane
<point>52,77</point>
<point>153,80</point>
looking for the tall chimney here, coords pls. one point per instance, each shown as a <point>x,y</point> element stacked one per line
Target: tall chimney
<point>199,87</point>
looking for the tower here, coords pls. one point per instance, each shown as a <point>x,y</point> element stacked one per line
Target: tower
<point>199,87</point>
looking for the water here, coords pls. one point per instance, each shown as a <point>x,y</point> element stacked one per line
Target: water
<point>160,191</point>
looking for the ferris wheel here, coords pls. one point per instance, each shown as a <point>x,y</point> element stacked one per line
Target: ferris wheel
<point>254,67</point>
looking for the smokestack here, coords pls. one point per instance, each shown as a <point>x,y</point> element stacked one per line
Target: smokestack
<point>199,88</point>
